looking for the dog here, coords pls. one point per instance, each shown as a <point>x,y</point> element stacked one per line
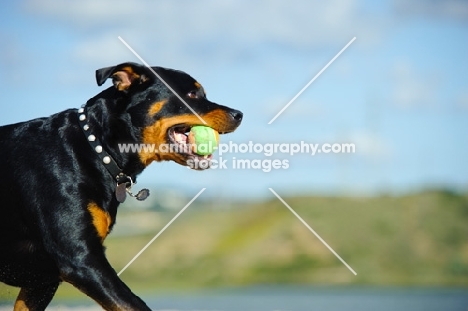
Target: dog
<point>63,178</point>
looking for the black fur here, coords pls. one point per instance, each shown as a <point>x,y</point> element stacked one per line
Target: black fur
<point>49,175</point>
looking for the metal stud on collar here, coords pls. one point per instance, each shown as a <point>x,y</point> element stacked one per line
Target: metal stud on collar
<point>124,182</point>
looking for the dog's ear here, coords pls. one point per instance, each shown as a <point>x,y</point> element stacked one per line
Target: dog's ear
<point>123,75</point>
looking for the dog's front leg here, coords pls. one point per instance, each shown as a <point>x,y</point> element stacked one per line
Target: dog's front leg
<point>93,275</point>
<point>79,255</point>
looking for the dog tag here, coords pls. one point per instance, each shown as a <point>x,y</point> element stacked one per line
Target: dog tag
<point>142,194</point>
<point>121,192</point>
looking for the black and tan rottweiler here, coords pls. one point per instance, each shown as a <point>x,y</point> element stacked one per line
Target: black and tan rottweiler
<point>62,179</point>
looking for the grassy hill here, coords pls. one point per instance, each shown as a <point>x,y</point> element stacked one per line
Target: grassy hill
<point>413,240</point>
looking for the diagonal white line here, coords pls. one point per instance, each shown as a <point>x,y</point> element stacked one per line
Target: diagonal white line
<point>313,79</point>
<point>312,230</point>
<point>160,232</point>
<point>159,77</point>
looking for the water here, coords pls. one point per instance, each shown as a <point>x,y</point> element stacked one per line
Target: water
<point>319,299</point>
<point>301,299</point>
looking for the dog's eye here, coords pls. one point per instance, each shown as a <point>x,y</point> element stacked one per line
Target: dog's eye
<point>193,94</point>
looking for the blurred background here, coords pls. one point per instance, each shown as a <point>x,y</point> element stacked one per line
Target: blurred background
<point>396,210</point>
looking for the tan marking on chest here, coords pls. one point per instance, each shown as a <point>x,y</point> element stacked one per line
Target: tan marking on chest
<point>101,220</point>
<point>20,305</point>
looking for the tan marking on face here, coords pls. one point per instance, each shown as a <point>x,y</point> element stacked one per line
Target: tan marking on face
<point>156,134</point>
<point>220,121</point>
<point>198,85</point>
<point>156,107</point>
<point>101,220</point>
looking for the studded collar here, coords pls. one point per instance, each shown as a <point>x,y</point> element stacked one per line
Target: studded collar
<point>124,182</point>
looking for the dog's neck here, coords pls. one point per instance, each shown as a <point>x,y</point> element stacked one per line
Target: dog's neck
<point>124,182</point>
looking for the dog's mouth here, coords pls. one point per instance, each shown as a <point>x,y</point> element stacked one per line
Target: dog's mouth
<point>179,144</point>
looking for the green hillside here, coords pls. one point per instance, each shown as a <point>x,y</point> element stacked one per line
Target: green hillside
<point>414,240</point>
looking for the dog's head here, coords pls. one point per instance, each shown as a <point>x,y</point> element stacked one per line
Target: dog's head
<point>163,105</point>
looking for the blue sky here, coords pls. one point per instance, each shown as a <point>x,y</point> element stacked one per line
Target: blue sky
<point>399,92</point>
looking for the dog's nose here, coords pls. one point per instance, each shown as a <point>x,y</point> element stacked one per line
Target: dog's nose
<point>236,115</point>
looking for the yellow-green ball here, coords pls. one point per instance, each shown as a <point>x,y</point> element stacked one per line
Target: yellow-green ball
<point>203,140</point>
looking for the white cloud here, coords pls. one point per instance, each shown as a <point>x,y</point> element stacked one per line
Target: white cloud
<point>12,57</point>
<point>463,100</point>
<point>300,108</point>
<point>103,49</point>
<point>450,9</point>
<point>86,13</point>
<point>370,145</point>
<point>412,87</point>
<point>224,29</point>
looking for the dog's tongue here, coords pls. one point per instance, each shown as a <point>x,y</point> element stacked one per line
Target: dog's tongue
<point>180,137</point>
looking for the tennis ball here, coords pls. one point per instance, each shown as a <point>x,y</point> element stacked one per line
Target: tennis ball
<point>203,140</point>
